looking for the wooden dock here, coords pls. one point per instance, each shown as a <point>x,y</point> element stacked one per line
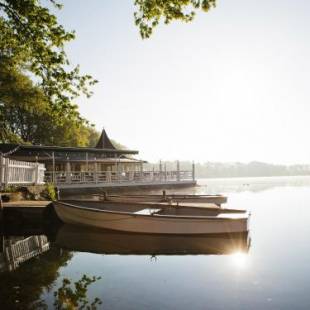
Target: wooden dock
<point>112,180</point>
<point>28,215</point>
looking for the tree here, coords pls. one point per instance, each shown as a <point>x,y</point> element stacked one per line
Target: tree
<point>40,109</point>
<point>27,117</point>
<point>68,297</point>
<point>31,39</point>
<point>150,12</point>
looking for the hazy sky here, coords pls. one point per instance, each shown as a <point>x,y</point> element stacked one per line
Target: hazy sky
<point>231,86</point>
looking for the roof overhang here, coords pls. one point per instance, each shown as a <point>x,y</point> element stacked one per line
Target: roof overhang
<point>7,147</point>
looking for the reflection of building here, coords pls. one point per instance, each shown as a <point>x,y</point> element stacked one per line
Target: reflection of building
<point>16,250</point>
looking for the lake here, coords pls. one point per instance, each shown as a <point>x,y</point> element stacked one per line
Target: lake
<point>269,269</point>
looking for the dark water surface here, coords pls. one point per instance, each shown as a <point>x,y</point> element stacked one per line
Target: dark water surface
<point>270,269</point>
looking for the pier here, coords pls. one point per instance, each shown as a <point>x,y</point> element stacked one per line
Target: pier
<point>104,179</point>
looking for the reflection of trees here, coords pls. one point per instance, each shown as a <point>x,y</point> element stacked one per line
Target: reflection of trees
<point>68,297</point>
<point>22,288</point>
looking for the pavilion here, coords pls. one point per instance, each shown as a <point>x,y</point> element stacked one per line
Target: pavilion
<point>103,157</point>
<point>91,167</point>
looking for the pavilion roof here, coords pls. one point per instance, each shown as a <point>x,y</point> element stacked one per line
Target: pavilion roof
<point>16,148</point>
<point>104,141</point>
<point>104,145</point>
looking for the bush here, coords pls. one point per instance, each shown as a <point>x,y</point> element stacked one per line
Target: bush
<point>49,192</point>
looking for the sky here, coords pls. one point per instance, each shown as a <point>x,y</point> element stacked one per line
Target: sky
<point>233,85</point>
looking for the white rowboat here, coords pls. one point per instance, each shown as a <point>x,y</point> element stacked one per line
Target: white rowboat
<point>216,199</point>
<point>152,218</point>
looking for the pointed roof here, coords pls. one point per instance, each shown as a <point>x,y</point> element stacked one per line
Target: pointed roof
<point>104,142</point>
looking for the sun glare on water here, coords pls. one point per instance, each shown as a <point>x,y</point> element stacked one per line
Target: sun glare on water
<point>240,260</point>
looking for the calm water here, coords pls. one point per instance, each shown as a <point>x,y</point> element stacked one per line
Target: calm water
<point>269,270</point>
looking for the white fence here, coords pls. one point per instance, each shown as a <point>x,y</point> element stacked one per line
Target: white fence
<point>14,172</point>
<point>86,177</point>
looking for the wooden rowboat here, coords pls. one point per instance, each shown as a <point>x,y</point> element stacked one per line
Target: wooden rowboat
<point>216,199</point>
<point>85,239</point>
<point>152,218</point>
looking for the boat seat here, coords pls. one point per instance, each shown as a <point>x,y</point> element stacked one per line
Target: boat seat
<point>148,211</point>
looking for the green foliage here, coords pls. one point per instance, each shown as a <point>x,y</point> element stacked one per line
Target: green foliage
<point>68,298</point>
<point>31,39</point>
<point>39,110</point>
<point>10,189</point>
<point>50,191</point>
<point>27,117</point>
<point>150,12</point>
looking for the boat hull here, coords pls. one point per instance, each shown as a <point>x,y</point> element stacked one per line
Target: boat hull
<point>215,199</point>
<point>153,224</point>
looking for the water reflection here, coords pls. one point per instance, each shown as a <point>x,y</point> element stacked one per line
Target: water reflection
<point>107,242</point>
<point>240,259</point>
<point>16,250</point>
<point>31,265</point>
<point>273,274</point>
<point>38,268</point>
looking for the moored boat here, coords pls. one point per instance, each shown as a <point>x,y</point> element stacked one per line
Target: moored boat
<point>216,199</point>
<point>152,218</point>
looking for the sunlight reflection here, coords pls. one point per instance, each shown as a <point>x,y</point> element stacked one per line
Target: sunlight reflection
<point>240,259</point>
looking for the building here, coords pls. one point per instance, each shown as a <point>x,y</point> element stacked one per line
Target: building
<point>103,157</point>
<point>100,166</point>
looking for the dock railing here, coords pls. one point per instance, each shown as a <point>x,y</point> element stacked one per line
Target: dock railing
<point>130,177</point>
<point>15,172</point>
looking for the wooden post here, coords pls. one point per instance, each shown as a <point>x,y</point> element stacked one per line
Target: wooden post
<point>105,196</point>
<point>68,172</point>
<point>141,172</point>
<point>118,170</point>
<point>53,173</point>
<point>36,174</point>
<point>165,167</point>
<point>178,170</point>
<point>96,171</point>
<point>86,155</point>
<point>193,171</point>
<point>1,215</point>
<point>6,172</point>
<point>1,171</point>
<point>57,193</point>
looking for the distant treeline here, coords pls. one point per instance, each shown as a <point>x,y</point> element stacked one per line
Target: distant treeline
<point>230,170</point>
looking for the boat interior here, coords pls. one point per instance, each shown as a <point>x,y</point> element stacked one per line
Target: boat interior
<point>154,209</point>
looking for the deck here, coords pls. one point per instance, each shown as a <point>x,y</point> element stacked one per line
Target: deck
<point>109,179</point>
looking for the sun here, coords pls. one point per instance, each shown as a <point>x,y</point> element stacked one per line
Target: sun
<point>239,259</point>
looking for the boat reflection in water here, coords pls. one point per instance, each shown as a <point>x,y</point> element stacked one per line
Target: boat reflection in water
<point>107,242</point>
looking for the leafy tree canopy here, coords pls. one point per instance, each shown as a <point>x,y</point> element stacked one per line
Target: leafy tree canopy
<point>32,39</point>
<point>27,117</point>
<point>40,109</point>
<point>150,12</point>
